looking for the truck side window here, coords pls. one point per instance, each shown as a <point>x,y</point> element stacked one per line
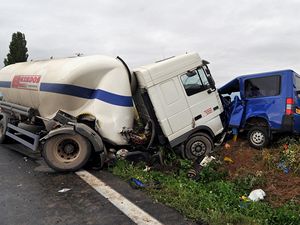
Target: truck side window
<point>262,87</point>
<point>194,81</point>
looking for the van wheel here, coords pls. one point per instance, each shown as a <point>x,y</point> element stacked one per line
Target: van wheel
<point>258,137</point>
<point>198,145</point>
<point>66,152</point>
<point>3,128</point>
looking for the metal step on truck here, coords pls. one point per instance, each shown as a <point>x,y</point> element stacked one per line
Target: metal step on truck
<point>74,109</point>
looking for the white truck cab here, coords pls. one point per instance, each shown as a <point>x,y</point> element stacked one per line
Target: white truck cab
<point>180,95</point>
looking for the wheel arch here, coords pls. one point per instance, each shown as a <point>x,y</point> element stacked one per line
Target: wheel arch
<point>183,138</point>
<point>257,121</point>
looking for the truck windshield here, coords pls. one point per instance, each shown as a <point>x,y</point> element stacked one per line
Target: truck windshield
<point>195,81</point>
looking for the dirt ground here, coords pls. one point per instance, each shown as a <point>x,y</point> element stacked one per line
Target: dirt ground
<point>279,187</point>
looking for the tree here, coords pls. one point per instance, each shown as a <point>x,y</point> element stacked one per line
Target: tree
<point>17,49</point>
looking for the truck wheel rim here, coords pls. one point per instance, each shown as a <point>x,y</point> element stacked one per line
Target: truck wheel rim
<point>198,148</point>
<point>257,137</point>
<point>67,150</point>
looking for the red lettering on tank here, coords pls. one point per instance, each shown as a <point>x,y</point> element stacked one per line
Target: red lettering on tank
<point>27,82</point>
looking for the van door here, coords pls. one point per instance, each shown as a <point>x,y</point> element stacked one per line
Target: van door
<point>297,103</point>
<point>263,98</point>
<point>203,101</point>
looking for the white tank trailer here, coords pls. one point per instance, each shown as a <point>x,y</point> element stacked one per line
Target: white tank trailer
<point>76,108</point>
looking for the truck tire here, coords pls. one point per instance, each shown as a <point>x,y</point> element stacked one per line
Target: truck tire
<point>258,137</point>
<point>198,145</point>
<point>3,127</point>
<point>66,152</point>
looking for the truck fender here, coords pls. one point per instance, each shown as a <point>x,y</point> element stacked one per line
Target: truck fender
<point>61,130</point>
<point>184,137</point>
<point>91,135</point>
<point>83,130</point>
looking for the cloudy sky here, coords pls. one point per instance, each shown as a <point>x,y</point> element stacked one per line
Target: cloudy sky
<point>236,36</point>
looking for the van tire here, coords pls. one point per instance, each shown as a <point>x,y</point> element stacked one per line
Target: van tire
<point>198,145</point>
<point>258,137</point>
<point>66,152</point>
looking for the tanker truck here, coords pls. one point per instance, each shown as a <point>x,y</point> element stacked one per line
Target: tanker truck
<point>74,109</point>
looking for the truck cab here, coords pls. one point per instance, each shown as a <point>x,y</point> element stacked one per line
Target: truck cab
<point>179,94</point>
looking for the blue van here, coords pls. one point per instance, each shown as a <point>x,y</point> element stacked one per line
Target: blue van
<point>264,104</point>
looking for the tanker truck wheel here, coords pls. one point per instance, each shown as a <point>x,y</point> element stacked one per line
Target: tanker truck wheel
<point>198,145</point>
<point>66,152</point>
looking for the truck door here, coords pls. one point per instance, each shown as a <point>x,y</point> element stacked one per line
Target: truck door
<point>203,100</point>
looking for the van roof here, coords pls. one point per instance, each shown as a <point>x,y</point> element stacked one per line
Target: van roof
<point>233,85</point>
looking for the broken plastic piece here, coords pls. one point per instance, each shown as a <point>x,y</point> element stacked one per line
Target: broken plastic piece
<point>257,195</point>
<point>135,183</point>
<point>207,160</point>
<point>64,190</point>
<point>244,198</point>
<point>122,153</point>
<point>147,168</point>
<point>228,159</point>
<point>283,167</point>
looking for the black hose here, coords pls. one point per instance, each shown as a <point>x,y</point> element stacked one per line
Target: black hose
<point>127,68</point>
<point>152,133</point>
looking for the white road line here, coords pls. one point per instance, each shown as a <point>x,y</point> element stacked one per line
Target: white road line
<point>135,213</point>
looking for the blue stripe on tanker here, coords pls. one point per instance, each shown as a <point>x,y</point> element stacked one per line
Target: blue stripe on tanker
<point>5,84</point>
<point>82,92</point>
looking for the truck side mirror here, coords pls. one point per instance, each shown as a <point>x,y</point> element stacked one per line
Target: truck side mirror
<point>211,81</point>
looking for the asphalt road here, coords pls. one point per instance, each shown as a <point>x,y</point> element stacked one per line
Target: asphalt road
<point>29,195</point>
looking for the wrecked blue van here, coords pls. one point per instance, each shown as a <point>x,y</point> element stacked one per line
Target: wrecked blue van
<point>263,104</point>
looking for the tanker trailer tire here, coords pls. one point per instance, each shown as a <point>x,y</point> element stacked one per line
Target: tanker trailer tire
<point>67,152</point>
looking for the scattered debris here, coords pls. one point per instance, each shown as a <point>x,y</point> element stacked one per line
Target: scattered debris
<point>64,190</point>
<point>227,146</point>
<point>19,185</point>
<point>244,201</point>
<point>257,195</point>
<point>228,159</point>
<point>136,183</point>
<point>206,160</point>
<point>147,168</point>
<point>281,165</point>
<point>197,167</point>
<point>122,153</point>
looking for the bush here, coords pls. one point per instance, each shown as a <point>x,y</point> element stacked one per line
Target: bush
<point>249,182</point>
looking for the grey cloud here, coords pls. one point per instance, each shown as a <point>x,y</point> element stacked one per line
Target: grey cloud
<point>236,36</point>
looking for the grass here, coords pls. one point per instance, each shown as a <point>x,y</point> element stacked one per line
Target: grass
<point>211,199</point>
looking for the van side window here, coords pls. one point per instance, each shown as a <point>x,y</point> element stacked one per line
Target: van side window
<point>262,87</point>
<point>194,81</point>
